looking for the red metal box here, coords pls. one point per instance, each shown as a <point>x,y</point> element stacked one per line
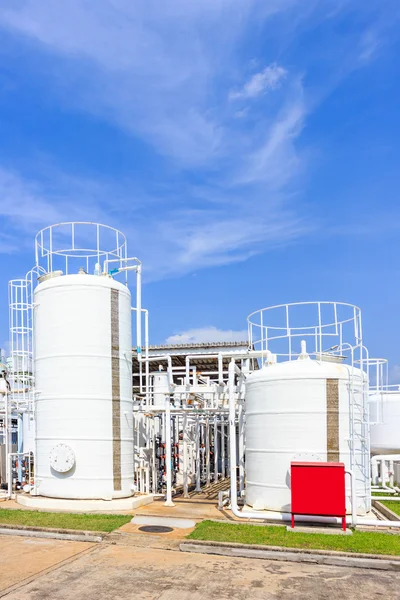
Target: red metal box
<point>318,489</point>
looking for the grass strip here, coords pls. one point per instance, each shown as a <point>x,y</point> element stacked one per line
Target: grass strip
<point>270,535</point>
<point>394,506</point>
<point>84,522</point>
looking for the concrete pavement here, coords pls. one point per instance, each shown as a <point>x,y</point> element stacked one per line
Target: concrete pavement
<point>124,571</point>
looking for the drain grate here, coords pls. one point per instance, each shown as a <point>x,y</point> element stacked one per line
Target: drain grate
<point>155,529</point>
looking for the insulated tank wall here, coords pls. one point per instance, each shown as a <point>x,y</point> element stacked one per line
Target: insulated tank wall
<point>300,411</point>
<point>385,435</point>
<point>83,370</point>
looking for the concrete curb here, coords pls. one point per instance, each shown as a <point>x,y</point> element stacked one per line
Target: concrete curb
<point>321,557</point>
<point>386,512</point>
<point>57,534</point>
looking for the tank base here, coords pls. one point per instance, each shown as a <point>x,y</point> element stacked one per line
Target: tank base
<point>83,506</point>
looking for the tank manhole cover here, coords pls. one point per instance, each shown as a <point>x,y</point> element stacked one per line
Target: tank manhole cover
<point>155,529</point>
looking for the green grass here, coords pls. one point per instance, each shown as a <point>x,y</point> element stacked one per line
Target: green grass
<point>84,522</point>
<point>394,506</point>
<point>270,535</point>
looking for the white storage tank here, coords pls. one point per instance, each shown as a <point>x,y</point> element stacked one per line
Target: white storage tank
<point>83,370</point>
<point>385,421</point>
<point>299,410</point>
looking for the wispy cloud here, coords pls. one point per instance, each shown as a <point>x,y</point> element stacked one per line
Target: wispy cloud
<point>207,334</point>
<point>369,45</point>
<point>260,83</point>
<point>133,65</point>
<point>164,72</point>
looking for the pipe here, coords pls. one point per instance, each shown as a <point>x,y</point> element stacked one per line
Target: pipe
<point>139,310</point>
<point>168,457</point>
<point>7,444</point>
<point>185,458</point>
<point>216,453</point>
<point>385,473</point>
<point>198,481</point>
<point>353,498</point>
<point>207,444</point>
<point>260,515</point>
<point>223,460</point>
<point>389,498</point>
<point>220,369</point>
<point>241,448</point>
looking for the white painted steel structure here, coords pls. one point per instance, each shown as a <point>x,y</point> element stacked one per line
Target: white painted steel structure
<point>310,407</point>
<point>195,419</point>
<point>75,378</point>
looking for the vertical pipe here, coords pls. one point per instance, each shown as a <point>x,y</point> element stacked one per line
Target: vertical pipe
<point>20,437</point>
<point>168,458</point>
<point>223,470</point>
<point>185,457</point>
<point>139,311</point>
<point>216,453</point>
<point>7,445</point>
<point>147,367</point>
<point>207,443</point>
<point>391,473</point>
<point>220,369</point>
<point>241,447</point>
<point>198,482</point>
<point>374,472</point>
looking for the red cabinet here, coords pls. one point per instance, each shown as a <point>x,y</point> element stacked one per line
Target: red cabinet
<point>318,489</point>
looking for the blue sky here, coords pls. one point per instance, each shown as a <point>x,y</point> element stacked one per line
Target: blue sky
<point>249,150</point>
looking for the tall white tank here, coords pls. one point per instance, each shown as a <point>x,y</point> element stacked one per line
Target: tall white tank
<point>385,421</point>
<point>83,369</point>
<point>300,411</point>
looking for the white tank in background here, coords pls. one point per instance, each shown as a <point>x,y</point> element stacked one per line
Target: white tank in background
<point>300,410</point>
<point>384,409</point>
<point>83,369</point>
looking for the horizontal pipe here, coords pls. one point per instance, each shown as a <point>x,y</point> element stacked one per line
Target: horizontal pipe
<point>388,498</point>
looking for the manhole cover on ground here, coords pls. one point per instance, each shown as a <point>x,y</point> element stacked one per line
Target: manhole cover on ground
<point>155,529</point>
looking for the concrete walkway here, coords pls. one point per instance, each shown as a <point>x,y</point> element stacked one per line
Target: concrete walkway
<point>22,558</point>
<point>144,567</point>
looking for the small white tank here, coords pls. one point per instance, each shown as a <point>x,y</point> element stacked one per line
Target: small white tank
<point>300,411</point>
<point>384,408</point>
<point>83,370</point>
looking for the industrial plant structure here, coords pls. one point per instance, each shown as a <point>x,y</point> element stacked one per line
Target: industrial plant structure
<point>85,417</point>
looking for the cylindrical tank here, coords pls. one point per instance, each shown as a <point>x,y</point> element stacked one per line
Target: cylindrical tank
<point>385,421</point>
<point>83,370</point>
<point>300,410</point>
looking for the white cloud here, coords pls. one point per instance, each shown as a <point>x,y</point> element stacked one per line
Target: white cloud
<point>260,83</point>
<point>162,71</point>
<point>207,334</point>
<point>222,232</point>
<point>27,205</point>
<point>148,66</point>
<point>369,46</point>
<point>276,159</point>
